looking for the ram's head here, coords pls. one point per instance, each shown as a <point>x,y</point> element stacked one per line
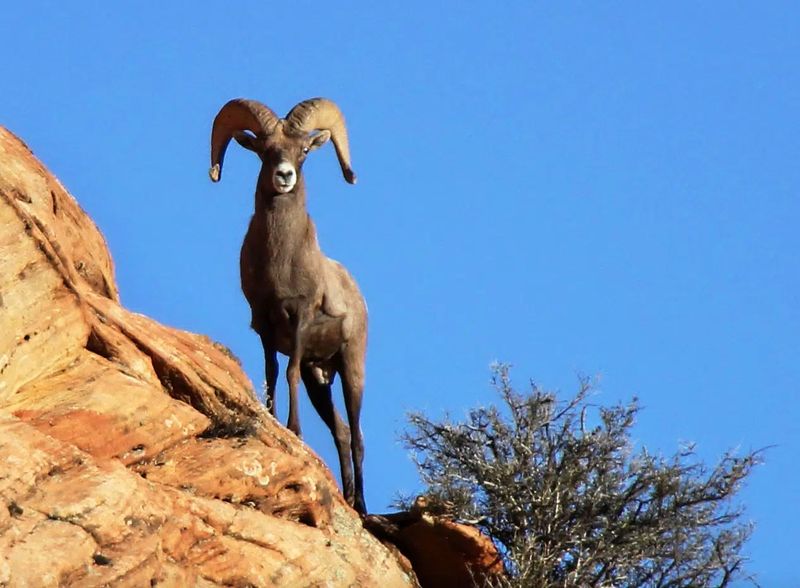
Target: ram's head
<point>281,143</point>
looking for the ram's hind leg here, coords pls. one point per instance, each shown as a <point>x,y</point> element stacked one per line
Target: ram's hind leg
<point>352,372</point>
<point>320,395</point>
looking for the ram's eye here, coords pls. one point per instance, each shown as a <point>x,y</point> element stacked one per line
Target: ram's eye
<point>306,150</point>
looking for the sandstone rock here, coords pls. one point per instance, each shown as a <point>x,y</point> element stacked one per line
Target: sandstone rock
<point>442,552</point>
<point>135,454</point>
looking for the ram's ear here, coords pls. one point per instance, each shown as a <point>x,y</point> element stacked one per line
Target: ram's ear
<point>318,140</point>
<point>247,141</point>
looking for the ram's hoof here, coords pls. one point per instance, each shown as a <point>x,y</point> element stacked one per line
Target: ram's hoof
<point>213,173</point>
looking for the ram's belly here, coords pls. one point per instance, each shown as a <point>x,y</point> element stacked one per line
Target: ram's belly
<point>323,338</point>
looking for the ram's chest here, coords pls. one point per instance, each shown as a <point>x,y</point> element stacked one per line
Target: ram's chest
<point>273,284</point>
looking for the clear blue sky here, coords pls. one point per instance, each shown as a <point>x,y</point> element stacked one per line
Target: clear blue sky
<point>572,188</point>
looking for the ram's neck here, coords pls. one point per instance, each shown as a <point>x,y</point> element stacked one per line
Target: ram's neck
<point>281,220</point>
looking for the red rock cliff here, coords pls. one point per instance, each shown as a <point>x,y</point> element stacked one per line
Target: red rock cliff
<point>134,454</point>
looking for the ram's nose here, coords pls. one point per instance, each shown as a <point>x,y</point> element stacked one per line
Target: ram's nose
<point>285,177</point>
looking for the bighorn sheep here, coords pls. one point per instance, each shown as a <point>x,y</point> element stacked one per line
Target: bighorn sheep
<point>304,304</point>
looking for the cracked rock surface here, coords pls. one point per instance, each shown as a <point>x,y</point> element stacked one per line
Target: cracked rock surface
<point>134,454</point>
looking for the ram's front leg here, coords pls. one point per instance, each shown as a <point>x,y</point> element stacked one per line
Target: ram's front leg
<point>271,373</point>
<point>300,323</point>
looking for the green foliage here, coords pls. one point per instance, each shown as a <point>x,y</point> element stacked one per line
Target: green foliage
<point>569,504</point>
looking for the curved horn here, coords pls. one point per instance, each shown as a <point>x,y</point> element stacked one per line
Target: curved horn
<point>318,114</point>
<point>237,115</point>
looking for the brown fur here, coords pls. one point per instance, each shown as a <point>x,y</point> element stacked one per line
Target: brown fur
<point>304,305</point>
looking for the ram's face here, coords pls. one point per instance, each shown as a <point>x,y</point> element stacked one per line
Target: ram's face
<point>283,162</point>
<point>282,156</point>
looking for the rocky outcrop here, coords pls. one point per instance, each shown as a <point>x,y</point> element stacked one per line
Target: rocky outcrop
<point>442,552</point>
<point>134,454</point>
